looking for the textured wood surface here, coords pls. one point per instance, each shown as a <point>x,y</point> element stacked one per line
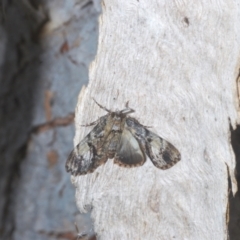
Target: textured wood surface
<point>45,47</point>
<point>176,63</point>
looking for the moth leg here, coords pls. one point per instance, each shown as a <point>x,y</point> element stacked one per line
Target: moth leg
<point>102,106</point>
<point>147,126</point>
<point>90,124</point>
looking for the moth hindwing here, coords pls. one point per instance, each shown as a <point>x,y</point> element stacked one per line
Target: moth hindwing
<point>115,135</point>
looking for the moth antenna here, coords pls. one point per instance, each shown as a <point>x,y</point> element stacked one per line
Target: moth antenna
<point>107,110</point>
<point>90,124</point>
<point>127,104</point>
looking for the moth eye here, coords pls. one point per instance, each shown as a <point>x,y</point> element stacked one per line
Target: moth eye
<point>112,114</point>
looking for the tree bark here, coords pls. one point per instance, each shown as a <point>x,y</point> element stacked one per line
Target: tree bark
<point>176,63</point>
<point>45,47</point>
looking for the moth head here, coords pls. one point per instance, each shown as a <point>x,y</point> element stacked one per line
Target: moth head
<point>121,114</point>
<point>118,116</point>
<point>118,119</point>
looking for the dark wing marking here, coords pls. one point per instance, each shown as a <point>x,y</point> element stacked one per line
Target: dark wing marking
<point>129,152</point>
<point>162,153</point>
<point>88,154</point>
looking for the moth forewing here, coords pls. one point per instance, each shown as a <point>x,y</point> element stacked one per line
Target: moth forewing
<point>84,159</point>
<point>162,153</point>
<point>88,154</point>
<point>77,161</point>
<point>129,152</point>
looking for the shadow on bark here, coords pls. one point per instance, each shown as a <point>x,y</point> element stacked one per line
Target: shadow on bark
<point>19,78</point>
<point>234,202</point>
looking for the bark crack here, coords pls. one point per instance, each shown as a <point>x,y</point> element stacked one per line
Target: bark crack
<point>56,122</point>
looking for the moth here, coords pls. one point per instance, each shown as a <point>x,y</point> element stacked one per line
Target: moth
<point>116,135</point>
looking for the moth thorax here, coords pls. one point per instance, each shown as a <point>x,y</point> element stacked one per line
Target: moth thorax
<point>118,122</point>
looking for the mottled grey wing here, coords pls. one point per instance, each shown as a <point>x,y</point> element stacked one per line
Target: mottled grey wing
<point>84,159</point>
<point>88,154</point>
<point>129,152</point>
<point>162,153</point>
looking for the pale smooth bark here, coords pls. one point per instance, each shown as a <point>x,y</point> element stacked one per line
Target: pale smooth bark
<point>176,62</point>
